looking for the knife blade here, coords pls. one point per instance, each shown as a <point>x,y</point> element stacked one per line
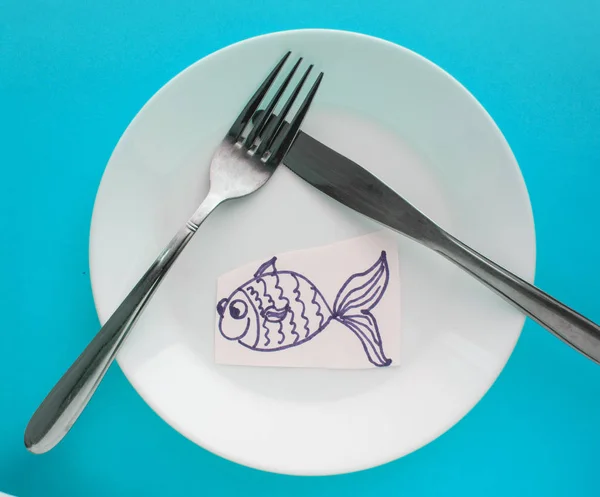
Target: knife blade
<point>349,183</point>
<point>355,187</point>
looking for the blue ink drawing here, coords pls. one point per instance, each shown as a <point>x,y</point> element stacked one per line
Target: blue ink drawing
<point>277,310</point>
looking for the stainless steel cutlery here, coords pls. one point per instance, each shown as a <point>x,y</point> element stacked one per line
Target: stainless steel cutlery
<point>256,143</point>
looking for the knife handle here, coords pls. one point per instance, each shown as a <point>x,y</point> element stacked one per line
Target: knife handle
<point>571,327</point>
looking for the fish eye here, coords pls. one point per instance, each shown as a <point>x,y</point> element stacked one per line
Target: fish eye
<point>238,309</point>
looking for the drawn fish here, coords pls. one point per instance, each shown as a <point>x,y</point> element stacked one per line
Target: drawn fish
<point>277,310</point>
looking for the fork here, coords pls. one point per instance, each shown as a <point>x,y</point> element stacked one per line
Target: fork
<point>242,163</point>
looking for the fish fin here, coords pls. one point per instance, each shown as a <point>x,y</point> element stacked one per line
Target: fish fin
<point>364,326</point>
<point>363,291</point>
<point>274,315</point>
<point>267,267</point>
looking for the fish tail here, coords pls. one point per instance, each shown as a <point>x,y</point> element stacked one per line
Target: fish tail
<point>353,305</point>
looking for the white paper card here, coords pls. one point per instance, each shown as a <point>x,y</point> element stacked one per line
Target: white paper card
<point>336,306</point>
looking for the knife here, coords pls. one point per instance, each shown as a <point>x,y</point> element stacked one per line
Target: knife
<point>355,187</point>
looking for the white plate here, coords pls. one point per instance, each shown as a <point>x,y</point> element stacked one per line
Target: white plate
<point>411,124</point>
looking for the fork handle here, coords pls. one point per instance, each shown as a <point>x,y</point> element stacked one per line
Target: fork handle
<point>568,325</point>
<point>65,402</point>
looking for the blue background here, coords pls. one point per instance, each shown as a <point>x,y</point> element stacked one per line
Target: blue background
<point>73,75</point>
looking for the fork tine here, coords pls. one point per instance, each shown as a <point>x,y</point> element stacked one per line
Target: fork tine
<point>269,131</point>
<point>258,127</point>
<point>276,122</point>
<point>286,140</point>
<point>240,123</point>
